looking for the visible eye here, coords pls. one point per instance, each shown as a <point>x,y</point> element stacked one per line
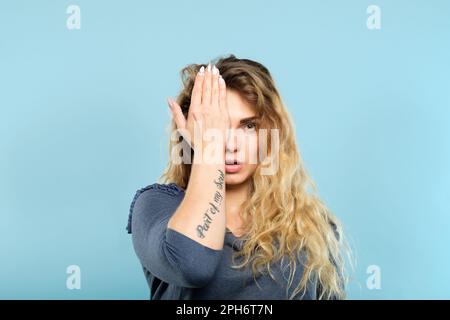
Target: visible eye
<point>250,126</point>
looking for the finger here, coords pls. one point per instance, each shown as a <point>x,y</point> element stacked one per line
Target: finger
<point>222,94</point>
<point>178,115</point>
<point>215,88</point>
<point>196,96</point>
<point>223,104</point>
<point>206,94</point>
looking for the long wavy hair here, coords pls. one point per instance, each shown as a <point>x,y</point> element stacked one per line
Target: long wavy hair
<point>281,217</point>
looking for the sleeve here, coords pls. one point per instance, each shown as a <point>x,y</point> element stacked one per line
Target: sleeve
<point>167,254</point>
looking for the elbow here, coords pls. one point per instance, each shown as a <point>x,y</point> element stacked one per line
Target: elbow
<point>197,276</point>
<point>196,263</point>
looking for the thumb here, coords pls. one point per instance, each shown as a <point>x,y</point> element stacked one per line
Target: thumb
<point>177,114</point>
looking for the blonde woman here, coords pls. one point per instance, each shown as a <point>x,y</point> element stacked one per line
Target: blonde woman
<point>225,229</point>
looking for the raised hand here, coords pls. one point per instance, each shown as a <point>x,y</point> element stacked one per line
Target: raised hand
<point>208,115</point>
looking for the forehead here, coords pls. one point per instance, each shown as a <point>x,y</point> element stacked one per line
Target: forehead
<point>238,108</point>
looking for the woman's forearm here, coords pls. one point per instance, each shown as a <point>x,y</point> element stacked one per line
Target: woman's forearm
<point>201,214</point>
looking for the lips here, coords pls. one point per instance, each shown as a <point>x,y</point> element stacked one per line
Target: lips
<point>232,166</point>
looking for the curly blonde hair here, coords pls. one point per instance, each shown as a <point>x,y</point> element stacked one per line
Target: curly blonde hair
<point>279,206</point>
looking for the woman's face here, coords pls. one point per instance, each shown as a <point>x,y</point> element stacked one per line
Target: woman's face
<point>242,142</point>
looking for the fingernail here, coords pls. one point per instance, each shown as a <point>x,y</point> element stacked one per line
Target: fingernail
<point>202,71</point>
<point>209,67</point>
<point>214,70</point>
<point>221,81</point>
<point>169,101</point>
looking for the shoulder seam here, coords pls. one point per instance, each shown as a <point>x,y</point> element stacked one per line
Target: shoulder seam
<point>170,189</point>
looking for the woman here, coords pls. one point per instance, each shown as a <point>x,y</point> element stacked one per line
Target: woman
<point>232,228</point>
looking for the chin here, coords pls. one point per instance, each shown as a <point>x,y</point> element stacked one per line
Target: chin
<point>241,177</point>
<point>233,179</point>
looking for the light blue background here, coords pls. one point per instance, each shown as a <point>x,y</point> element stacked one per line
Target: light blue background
<point>83,118</point>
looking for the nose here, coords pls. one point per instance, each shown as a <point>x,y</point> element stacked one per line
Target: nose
<point>232,144</point>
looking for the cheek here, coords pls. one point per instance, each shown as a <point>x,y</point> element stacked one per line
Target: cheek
<point>250,170</point>
<point>252,149</point>
<point>249,148</point>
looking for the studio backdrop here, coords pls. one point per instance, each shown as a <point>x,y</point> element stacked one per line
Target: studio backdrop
<point>84,117</point>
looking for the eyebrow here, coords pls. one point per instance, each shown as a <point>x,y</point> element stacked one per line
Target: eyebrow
<point>249,119</point>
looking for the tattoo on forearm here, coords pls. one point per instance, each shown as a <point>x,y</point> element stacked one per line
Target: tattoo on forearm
<point>214,206</point>
<point>220,180</point>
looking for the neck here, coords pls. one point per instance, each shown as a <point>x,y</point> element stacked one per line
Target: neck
<point>236,195</point>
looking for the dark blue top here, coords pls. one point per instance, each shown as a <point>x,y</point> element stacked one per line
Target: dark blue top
<point>178,267</point>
